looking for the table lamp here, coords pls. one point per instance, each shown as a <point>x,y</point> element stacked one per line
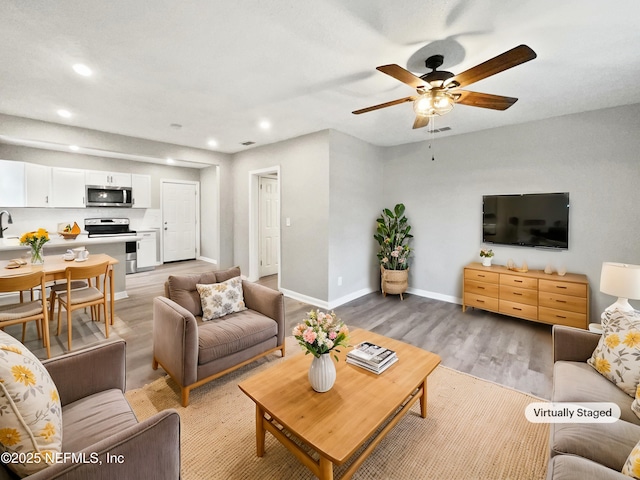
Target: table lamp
<point>622,281</point>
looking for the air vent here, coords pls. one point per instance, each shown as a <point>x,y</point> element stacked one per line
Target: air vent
<point>438,130</point>
<point>247,143</point>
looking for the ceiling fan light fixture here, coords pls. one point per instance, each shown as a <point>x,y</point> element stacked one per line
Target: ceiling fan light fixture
<point>432,103</point>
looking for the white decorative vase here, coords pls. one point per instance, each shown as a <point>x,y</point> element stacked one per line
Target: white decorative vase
<point>486,261</point>
<point>322,373</point>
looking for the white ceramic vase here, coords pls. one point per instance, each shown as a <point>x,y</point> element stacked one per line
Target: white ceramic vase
<point>486,261</point>
<point>322,373</point>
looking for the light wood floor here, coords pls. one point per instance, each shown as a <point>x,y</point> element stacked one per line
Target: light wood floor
<point>505,350</point>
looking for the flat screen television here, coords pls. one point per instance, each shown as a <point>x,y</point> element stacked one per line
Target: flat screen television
<point>528,220</point>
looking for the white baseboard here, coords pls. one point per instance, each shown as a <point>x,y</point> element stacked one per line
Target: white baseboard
<point>305,298</point>
<point>209,260</point>
<point>348,298</point>
<point>120,295</point>
<point>435,295</point>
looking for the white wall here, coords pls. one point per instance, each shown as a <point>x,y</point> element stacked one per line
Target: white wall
<point>355,201</point>
<point>593,156</point>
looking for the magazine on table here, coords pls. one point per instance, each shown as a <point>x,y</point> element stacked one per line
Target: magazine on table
<point>371,354</point>
<point>375,369</point>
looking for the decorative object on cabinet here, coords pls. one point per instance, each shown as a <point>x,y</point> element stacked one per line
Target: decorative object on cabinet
<point>512,266</point>
<point>486,254</point>
<point>548,269</point>
<point>393,234</point>
<point>529,295</point>
<point>620,280</point>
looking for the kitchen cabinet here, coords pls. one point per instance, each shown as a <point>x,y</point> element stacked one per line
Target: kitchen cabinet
<point>67,187</point>
<point>115,179</point>
<point>37,185</point>
<point>141,190</point>
<point>11,184</point>
<point>146,250</point>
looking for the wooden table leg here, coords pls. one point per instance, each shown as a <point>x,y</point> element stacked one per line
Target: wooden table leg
<point>423,400</point>
<point>260,431</point>
<point>326,469</point>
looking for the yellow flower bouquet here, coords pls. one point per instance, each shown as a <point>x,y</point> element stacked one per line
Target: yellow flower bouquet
<point>36,241</point>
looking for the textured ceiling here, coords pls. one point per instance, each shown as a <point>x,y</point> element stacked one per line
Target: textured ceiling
<point>220,67</point>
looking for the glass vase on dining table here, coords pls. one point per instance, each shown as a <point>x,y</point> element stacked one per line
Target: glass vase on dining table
<point>37,256</point>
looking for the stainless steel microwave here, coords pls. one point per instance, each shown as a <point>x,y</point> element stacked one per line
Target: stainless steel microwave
<point>105,196</point>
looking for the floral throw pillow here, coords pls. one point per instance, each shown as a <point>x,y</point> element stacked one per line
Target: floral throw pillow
<point>30,410</point>
<point>631,467</point>
<point>617,356</point>
<point>220,299</point>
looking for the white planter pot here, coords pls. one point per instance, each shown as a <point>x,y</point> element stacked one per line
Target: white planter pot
<point>322,373</point>
<point>486,261</point>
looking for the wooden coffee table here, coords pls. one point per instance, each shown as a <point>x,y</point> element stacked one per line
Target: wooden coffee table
<point>335,424</point>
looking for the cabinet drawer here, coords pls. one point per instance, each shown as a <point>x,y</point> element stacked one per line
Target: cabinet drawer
<point>562,317</point>
<point>565,288</point>
<point>481,288</point>
<point>563,302</point>
<point>517,281</point>
<point>480,301</point>
<point>518,310</point>
<point>479,275</point>
<point>518,295</point>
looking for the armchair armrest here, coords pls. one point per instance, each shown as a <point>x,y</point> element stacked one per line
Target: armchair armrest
<point>266,301</point>
<point>175,340</point>
<point>573,344</point>
<point>88,371</point>
<point>150,449</point>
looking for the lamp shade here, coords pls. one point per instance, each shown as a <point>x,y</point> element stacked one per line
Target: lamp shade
<point>620,280</point>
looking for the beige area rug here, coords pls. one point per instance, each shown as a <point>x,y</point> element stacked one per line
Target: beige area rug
<point>474,430</point>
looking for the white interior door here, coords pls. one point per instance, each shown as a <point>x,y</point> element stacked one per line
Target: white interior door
<point>269,228</point>
<point>178,221</point>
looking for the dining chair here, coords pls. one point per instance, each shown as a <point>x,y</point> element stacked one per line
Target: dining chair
<point>24,312</point>
<point>91,296</point>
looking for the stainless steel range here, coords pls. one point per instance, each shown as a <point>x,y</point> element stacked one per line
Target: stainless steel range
<point>115,227</point>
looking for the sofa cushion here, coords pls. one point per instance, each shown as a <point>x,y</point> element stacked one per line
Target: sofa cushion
<point>578,382</point>
<point>224,275</point>
<point>94,418</point>
<point>30,410</point>
<point>569,467</point>
<point>182,290</point>
<point>222,337</point>
<point>617,356</point>
<point>220,299</point>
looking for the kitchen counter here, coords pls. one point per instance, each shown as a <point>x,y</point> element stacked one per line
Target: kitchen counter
<point>57,242</point>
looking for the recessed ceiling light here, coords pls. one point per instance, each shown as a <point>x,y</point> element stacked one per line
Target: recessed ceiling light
<point>212,143</point>
<point>64,113</point>
<point>265,125</point>
<point>82,69</point>
<point>170,160</point>
<point>75,148</point>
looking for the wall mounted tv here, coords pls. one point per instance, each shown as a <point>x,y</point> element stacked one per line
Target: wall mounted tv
<point>528,220</point>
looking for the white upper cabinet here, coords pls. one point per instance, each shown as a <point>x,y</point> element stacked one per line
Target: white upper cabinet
<point>11,184</point>
<point>67,187</point>
<point>115,179</point>
<point>141,190</point>
<point>37,185</point>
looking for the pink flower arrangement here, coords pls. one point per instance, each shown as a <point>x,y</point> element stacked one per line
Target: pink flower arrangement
<point>321,332</point>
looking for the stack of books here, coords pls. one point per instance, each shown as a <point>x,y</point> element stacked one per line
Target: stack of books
<point>372,357</point>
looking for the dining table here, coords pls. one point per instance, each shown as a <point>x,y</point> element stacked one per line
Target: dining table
<point>54,268</point>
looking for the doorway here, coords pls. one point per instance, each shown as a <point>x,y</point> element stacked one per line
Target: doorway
<point>264,223</point>
<point>180,226</point>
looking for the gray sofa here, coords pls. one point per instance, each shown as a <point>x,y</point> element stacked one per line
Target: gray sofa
<point>587,450</point>
<point>97,419</point>
<point>194,352</point>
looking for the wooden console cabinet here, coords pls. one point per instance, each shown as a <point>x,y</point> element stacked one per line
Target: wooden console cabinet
<point>533,295</point>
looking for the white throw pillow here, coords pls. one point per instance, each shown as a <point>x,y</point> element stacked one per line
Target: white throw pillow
<point>220,299</point>
<point>631,467</point>
<point>30,410</point>
<point>617,356</point>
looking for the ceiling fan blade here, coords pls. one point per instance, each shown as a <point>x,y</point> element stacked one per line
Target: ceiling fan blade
<point>484,100</point>
<point>421,121</point>
<point>505,61</point>
<point>384,105</point>
<point>405,76</point>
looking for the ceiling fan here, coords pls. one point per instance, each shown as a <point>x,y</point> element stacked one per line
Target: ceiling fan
<point>439,90</point>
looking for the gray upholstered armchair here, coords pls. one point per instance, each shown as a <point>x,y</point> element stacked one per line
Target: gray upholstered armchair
<point>194,352</point>
<point>97,419</point>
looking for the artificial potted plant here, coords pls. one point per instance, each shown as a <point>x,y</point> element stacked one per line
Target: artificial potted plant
<point>392,234</point>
